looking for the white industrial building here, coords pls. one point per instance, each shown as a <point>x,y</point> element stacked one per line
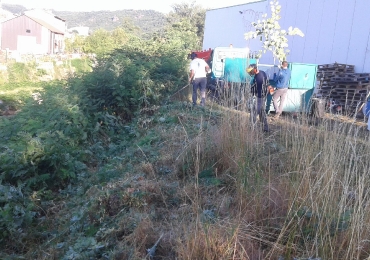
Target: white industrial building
<point>335,30</point>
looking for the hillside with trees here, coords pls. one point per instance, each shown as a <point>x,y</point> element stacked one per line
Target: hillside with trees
<point>148,21</point>
<point>14,9</point>
<point>144,22</point>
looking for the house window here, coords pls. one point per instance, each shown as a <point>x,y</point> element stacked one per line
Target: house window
<point>28,31</point>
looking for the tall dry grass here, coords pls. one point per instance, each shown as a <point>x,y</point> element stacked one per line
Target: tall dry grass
<point>301,191</point>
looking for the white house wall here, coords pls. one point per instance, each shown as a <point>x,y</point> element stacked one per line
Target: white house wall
<point>44,47</point>
<point>335,30</point>
<point>26,44</point>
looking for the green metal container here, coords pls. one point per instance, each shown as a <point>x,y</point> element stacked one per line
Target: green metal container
<point>231,64</point>
<point>303,76</point>
<point>301,87</point>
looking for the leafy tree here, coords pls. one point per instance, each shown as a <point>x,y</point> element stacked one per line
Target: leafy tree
<point>130,27</point>
<point>75,43</point>
<point>195,15</point>
<point>183,35</point>
<point>271,35</point>
<point>102,42</point>
<point>119,37</point>
<point>99,42</point>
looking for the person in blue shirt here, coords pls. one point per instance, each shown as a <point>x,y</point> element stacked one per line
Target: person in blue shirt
<point>282,83</point>
<point>258,89</point>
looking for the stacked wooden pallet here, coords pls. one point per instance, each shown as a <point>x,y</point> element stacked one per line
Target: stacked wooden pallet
<point>339,83</point>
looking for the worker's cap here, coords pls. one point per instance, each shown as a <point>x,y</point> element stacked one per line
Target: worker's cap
<point>251,68</point>
<point>193,55</point>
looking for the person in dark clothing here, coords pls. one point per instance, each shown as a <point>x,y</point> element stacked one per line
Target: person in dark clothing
<point>259,89</point>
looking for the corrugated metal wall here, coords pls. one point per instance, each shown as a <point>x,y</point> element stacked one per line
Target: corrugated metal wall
<point>19,26</point>
<point>335,30</point>
<point>24,35</point>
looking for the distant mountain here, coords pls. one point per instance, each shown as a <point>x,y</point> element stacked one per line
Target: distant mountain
<point>14,9</point>
<point>148,21</point>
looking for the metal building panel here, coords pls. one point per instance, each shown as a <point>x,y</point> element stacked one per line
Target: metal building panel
<point>366,67</point>
<point>299,20</point>
<point>327,30</point>
<point>18,32</point>
<point>313,31</point>
<point>19,26</point>
<point>284,7</point>
<point>359,45</point>
<point>342,33</point>
<point>227,26</point>
<point>334,30</point>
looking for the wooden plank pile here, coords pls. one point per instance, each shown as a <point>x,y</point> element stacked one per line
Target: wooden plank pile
<point>340,84</point>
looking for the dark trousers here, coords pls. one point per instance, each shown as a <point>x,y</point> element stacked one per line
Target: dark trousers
<point>258,109</point>
<point>199,83</point>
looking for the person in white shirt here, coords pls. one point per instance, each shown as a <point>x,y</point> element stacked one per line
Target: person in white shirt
<point>198,77</point>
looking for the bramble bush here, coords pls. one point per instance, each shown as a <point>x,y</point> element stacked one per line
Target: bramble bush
<point>68,126</point>
<point>43,146</point>
<point>20,72</point>
<point>138,75</point>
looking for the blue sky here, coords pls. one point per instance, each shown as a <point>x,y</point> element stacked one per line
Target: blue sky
<point>163,6</point>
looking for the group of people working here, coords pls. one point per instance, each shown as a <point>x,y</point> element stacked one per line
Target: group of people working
<point>259,87</point>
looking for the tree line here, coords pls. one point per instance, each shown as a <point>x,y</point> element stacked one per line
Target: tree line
<point>185,25</point>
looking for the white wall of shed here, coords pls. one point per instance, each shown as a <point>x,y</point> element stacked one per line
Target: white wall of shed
<point>44,47</point>
<point>26,44</point>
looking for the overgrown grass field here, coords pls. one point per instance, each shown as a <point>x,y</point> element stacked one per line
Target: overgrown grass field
<point>112,165</point>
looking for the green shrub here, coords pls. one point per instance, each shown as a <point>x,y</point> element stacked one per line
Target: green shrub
<point>64,128</point>
<point>21,72</point>
<point>3,77</point>
<point>81,65</point>
<point>16,212</point>
<point>41,72</point>
<point>138,75</point>
<point>14,94</point>
<point>43,146</point>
